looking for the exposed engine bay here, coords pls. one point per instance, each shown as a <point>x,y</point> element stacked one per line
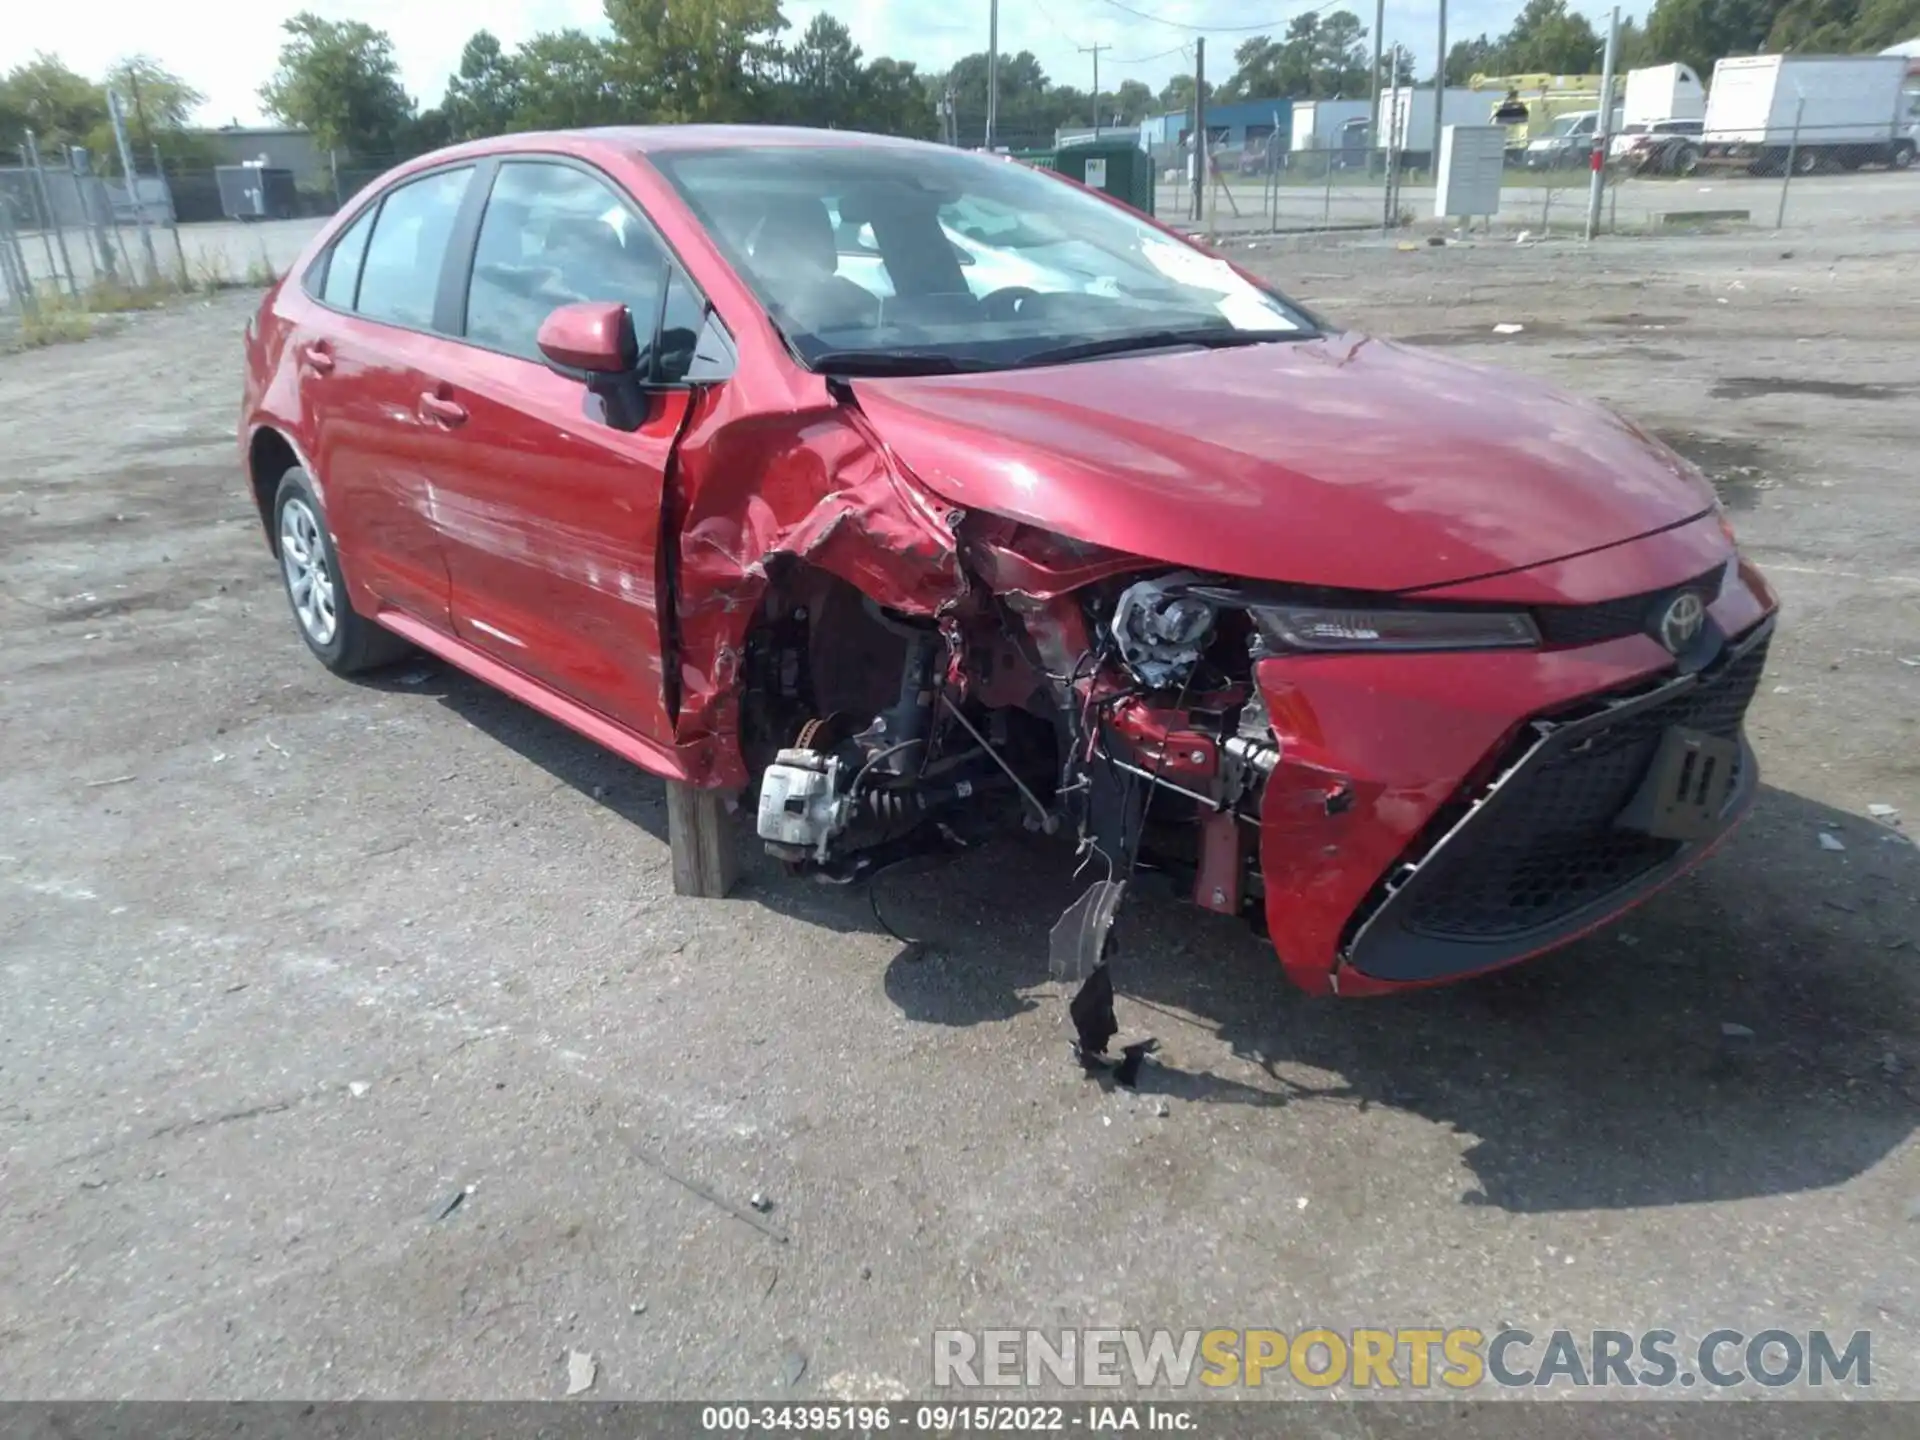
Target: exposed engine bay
<point>1119,712</point>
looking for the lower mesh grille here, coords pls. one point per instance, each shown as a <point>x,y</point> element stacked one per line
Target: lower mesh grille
<point>1548,848</point>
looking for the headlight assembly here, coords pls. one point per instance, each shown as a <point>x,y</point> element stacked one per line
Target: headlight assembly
<point>1313,627</point>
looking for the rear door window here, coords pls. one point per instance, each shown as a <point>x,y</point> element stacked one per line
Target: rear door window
<point>401,272</point>
<point>552,235</point>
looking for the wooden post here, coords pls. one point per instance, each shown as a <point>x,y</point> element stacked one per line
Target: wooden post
<point>700,832</point>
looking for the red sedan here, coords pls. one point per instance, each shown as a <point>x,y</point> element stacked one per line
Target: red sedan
<point>896,493</point>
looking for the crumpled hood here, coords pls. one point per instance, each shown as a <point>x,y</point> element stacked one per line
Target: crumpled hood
<point>1344,461</point>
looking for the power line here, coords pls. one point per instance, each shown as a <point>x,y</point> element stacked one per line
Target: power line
<point>1149,59</point>
<point>1209,29</point>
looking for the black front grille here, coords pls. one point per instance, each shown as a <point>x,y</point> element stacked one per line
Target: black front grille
<point>1544,846</point>
<point>1566,625</point>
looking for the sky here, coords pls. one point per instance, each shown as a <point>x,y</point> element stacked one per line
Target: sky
<point>226,48</point>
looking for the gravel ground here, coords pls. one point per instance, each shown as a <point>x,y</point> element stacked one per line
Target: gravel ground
<point>352,1042</point>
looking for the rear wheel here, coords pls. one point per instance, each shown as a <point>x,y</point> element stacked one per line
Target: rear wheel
<point>1684,160</point>
<point>342,640</point>
<point>1902,157</point>
<point>1806,162</point>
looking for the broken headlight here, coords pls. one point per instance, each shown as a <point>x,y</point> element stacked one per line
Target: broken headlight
<point>1340,627</point>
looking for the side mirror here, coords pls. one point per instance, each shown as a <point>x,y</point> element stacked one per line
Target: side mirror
<point>593,341</point>
<point>589,338</point>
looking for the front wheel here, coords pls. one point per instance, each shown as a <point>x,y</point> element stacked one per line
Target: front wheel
<point>1806,162</point>
<point>340,639</point>
<point>1902,157</point>
<point>1686,160</point>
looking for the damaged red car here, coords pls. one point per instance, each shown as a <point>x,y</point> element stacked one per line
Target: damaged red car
<point>899,494</point>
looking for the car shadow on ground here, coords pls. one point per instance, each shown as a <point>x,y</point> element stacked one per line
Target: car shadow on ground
<point>1752,1030</point>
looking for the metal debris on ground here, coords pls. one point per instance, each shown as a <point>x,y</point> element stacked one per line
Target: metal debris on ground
<point>760,1202</point>
<point>1830,841</point>
<point>459,1196</point>
<point>582,1371</point>
<point>1888,813</point>
<point>639,1307</point>
<point>357,1088</point>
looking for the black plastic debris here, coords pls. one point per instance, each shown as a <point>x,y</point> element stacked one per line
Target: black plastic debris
<point>1092,1012</point>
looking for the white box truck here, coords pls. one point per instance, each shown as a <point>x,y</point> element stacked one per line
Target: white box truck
<point>1819,112</point>
<point>1663,92</point>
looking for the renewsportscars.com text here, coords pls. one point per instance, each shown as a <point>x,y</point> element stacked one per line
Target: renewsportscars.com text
<point>1403,1359</point>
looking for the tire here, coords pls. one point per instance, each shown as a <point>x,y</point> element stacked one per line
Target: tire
<point>344,641</point>
<point>1806,162</point>
<point>1684,161</point>
<point>1902,157</point>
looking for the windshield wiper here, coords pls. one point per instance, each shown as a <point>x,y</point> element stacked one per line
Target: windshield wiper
<point>1210,337</point>
<point>894,362</point>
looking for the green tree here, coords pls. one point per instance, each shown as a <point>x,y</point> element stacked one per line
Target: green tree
<point>1177,93</point>
<point>565,79</point>
<point>159,108</point>
<point>703,60</point>
<point>59,105</point>
<point>1134,100</point>
<point>1698,32</point>
<point>157,101</point>
<point>1321,57</point>
<point>339,80</point>
<point>1814,27</point>
<point>1635,50</point>
<point>1468,58</point>
<point>1548,37</point>
<point>484,93</point>
<point>822,81</point>
<point>1881,23</point>
<point>898,101</point>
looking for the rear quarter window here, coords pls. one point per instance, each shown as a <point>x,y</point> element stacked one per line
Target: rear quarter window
<point>400,274</point>
<point>341,273</point>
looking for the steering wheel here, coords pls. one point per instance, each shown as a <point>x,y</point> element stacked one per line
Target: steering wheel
<point>1005,303</point>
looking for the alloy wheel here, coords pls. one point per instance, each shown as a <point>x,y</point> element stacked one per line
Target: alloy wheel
<point>303,555</point>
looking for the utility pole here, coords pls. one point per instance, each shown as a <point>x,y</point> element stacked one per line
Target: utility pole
<point>1199,127</point>
<point>993,66</point>
<point>1439,96</point>
<point>1597,178</point>
<point>1094,50</point>
<point>53,220</point>
<point>1373,115</point>
<point>118,116</point>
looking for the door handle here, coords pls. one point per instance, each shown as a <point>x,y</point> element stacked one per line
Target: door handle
<point>447,412</point>
<point>318,358</point>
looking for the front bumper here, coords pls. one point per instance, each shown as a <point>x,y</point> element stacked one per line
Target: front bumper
<point>1435,816</point>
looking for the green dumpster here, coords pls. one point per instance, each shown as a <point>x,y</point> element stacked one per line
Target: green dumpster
<point>1117,166</point>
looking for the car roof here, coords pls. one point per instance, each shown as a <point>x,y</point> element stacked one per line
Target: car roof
<point>656,139</point>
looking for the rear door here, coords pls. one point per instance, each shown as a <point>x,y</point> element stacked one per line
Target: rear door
<point>551,517</point>
<point>366,352</point>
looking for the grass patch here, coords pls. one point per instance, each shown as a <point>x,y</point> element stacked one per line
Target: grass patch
<point>55,323</point>
<point>59,318</point>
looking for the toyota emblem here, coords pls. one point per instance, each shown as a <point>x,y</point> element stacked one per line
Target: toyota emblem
<point>1681,621</point>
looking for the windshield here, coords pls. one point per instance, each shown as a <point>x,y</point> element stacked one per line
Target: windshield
<point>942,259</point>
<point>1567,124</point>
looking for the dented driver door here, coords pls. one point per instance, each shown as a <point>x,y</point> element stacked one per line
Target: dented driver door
<point>552,518</point>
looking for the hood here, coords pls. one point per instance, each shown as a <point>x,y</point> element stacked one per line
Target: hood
<point>1343,461</point>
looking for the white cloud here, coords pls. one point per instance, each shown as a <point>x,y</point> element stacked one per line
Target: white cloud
<point>226,48</point>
